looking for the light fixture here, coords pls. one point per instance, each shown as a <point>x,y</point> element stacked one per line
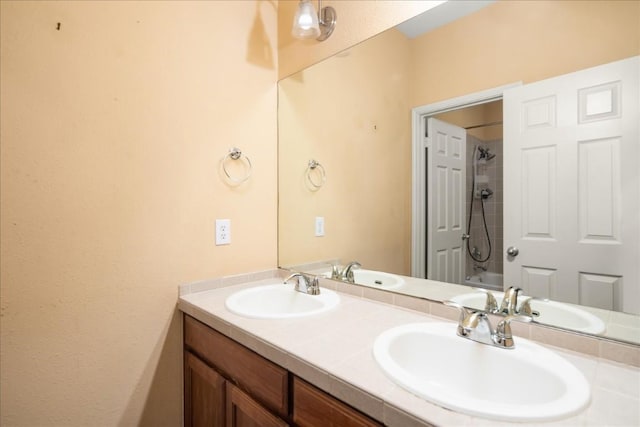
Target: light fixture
<point>309,25</point>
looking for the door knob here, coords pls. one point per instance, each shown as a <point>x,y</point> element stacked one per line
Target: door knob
<point>512,251</point>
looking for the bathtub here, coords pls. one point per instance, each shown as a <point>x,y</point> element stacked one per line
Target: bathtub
<point>486,279</point>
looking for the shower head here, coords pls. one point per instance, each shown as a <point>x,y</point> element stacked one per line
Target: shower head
<point>485,154</point>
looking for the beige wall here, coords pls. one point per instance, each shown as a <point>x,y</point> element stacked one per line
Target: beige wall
<point>510,41</point>
<point>350,114</point>
<point>112,130</point>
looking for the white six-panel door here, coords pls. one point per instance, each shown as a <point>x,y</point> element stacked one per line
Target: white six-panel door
<point>446,176</point>
<point>571,185</point>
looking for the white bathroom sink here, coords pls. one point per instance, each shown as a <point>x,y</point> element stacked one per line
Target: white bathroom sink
<point>280,301</point>
<point>377,279</point>
<point>551,312</point>
<point>525,383</point>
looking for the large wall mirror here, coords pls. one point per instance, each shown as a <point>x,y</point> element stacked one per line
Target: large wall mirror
<point>360,178</point>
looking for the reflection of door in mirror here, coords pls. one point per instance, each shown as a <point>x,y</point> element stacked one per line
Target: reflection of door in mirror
<point>571,179</point>
<point>446,171</point>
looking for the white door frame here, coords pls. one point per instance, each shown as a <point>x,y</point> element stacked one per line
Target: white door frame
<point>418,165</point>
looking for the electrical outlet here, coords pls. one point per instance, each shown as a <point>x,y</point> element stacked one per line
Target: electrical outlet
<point>223,232</point>
<point>319,226</point>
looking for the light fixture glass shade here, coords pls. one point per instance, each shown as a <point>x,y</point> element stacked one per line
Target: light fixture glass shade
<point>305,23</point>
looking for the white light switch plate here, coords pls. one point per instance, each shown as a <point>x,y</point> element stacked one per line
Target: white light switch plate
<point>319,226</point>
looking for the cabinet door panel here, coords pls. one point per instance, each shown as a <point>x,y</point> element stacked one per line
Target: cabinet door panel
<point>242,411</point>
<point>204,394</point>
<point>313,407</point>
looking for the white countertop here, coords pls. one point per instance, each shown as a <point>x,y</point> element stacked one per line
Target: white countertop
<point>333,351</point>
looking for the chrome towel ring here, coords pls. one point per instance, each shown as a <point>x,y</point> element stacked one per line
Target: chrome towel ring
<point>236,154</point>
<point>315,168</point>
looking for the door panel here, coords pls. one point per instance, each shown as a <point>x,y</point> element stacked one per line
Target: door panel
<point>601,291</point>
<point>538,187</point>
<point>540,282</point>
<point>600,190</point>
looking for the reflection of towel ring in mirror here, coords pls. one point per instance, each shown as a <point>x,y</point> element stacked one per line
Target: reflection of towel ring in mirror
<point>235,154</point>
<point>313,165</point>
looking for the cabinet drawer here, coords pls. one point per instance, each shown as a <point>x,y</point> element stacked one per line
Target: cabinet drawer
<point>314,407</point>
<point>265,381</point>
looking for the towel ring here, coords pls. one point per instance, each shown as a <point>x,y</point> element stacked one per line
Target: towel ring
<point>313,165</point>
<point>236,154</point>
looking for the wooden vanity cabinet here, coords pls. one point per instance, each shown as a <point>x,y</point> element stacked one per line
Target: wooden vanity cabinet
<point>226,384</point>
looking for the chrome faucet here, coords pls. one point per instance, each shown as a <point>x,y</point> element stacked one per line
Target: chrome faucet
<point>509,304</point>
<point>303,285</point>
<point>347,272</point>
<point>476,326</point>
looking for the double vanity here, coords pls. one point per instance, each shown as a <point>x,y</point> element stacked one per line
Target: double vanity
<point>275,353</point>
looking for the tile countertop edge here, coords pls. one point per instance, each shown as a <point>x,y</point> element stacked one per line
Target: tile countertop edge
<point>376,406</point>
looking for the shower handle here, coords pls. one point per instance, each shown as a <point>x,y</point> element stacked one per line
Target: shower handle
<point>512,251</point>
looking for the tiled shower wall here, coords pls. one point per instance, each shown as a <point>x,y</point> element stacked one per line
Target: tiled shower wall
<point>492,207</point>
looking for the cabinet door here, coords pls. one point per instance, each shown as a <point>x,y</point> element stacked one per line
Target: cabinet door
<point>313,407</point>
<point>243,411</point>
<point>204,394</point>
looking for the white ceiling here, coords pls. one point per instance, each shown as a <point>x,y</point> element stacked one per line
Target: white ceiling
<point>441,15</point>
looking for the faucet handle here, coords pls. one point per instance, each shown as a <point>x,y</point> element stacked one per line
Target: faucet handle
<point>504,337</point>
<point>314,288</point>
<point>464,313</point>
<point>335,271</point>
<point>491,304</point>
<point>525,307</point>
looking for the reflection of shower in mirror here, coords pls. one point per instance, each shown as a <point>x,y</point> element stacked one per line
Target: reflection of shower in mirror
<point>484,223</point>
<point>484,153</point>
